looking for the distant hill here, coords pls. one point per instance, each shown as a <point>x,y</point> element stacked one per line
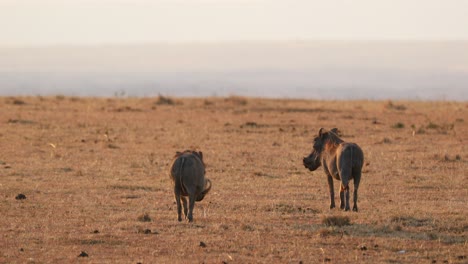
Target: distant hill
<point>322,70</point>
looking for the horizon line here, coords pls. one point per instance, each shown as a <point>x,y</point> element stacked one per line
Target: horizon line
<point>238,42</point>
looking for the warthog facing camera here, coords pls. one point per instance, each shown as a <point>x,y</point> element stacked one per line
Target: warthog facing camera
<point>340,160</point>
<point>188,176</point>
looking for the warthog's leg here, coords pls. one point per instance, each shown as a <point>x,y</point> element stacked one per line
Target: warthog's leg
<point>332,191</point>
<point>357,179</point>
<point>184,203</point>
<point>179,207</point>
<point>191,205</point>
<point>346,195</point>
<point>342,199</point>
<point>345,175</point>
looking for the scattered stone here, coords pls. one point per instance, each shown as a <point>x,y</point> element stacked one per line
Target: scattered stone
<point>96,231</point>
<point>363,247</point>
<point>20,196</point>
<point>202,244</point>
<point>83,255</point>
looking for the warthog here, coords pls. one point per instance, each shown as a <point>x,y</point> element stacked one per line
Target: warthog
<point>341,160</point>
<point>188,175</point>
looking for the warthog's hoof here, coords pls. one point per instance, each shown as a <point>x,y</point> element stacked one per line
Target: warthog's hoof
<point>332,206</point>
<point>355,209</point>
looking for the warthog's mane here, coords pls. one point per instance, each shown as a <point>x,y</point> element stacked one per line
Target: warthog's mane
<point>331,138</point>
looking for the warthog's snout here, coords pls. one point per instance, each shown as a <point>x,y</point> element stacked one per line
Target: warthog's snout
<point>310,163</point>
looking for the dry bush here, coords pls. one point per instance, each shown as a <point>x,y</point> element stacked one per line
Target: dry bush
<point>392,106</point>
<point>163,100</point>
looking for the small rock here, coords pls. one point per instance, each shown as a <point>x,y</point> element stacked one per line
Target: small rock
<point>202,244</point>
<point>96,231</point>
<point>20,196</point>
<point>83,254</point>
<point>362,247</point>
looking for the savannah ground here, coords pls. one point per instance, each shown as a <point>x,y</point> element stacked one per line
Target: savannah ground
<point>94,173</point>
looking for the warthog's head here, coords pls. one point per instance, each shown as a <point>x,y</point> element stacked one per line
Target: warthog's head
<point>314,160</point>
<point>205,191</point>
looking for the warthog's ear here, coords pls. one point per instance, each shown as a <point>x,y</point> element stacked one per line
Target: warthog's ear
<point>321,131</point>
<point>178,153</point>
<point>200,154</point>
<point>334,130</point>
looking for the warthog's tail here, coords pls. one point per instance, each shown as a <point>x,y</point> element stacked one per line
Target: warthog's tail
<point>205,191</point>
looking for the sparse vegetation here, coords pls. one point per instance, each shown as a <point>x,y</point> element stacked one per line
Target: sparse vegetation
<point>116,204</point>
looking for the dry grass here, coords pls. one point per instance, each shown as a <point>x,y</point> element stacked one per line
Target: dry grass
<point>94,178</point>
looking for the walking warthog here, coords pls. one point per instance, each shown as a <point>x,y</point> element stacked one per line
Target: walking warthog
<point>341,160</point>
<point>188,175</point>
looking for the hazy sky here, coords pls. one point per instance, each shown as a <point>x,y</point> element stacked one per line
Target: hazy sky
<point>46,22</point>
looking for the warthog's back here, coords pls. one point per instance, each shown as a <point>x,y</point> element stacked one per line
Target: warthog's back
<point>350,154</point>
<point>188,172</point>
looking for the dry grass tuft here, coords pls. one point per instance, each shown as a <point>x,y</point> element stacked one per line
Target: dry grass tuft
<point>410,221</point>
<point>398,125</point>
<point>336,221</point>
<point>144,218</point>
<point>330,231</point>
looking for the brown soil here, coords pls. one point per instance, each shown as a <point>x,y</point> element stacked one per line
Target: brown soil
<point>91,168</point>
